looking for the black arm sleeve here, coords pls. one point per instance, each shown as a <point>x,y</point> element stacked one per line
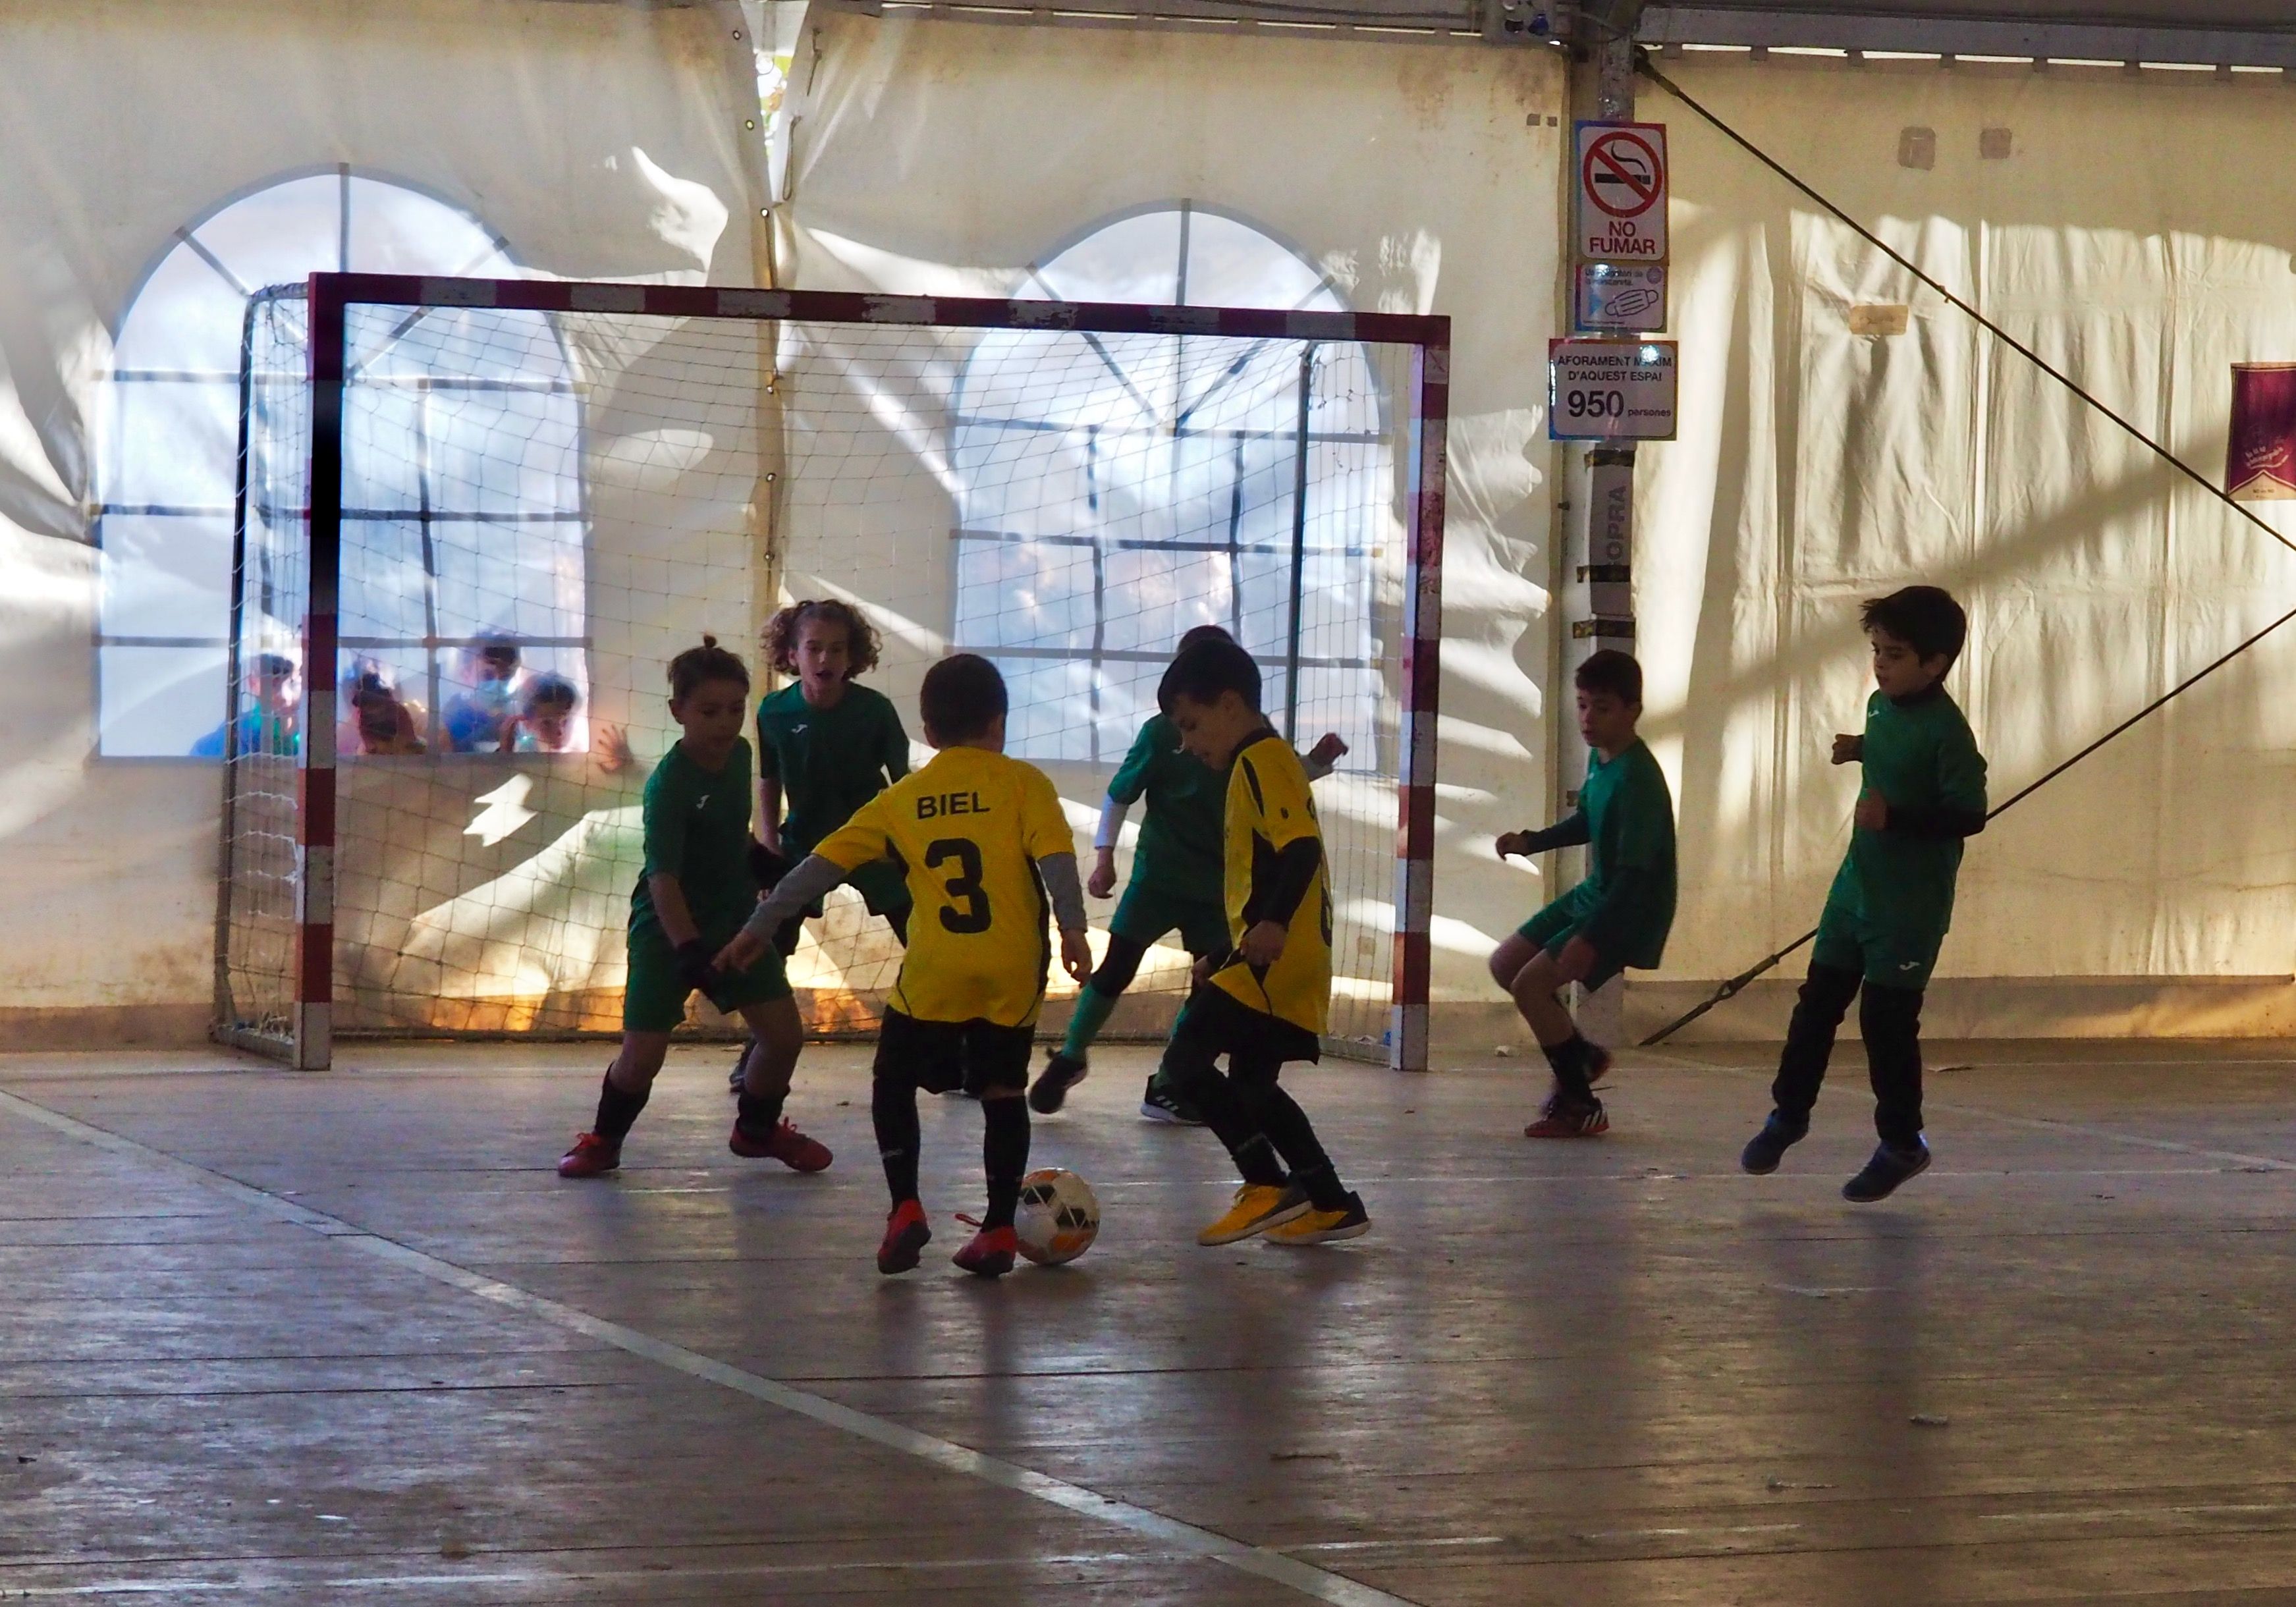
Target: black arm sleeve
<point>1276,897</point>
<point>1943,820</point>
<point>1562,834</point>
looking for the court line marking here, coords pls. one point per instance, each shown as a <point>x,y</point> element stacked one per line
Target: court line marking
<point>2269,1163</point>
<point>1179,1537</point>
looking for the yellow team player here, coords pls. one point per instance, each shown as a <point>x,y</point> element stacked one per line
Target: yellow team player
<point>1268,999</point>
<point>987,855</point>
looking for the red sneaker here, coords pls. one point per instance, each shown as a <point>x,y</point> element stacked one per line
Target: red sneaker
<point>991,1252</point>
<point>906,1234</point>
<point>591,1157</point>
<point>784,1143</point>
<point>1561,1121</point>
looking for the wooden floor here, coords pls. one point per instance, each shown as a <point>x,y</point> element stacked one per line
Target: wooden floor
<point>346,1339</point>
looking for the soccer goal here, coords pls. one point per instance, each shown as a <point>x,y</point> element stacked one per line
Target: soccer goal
<point>475,519</point>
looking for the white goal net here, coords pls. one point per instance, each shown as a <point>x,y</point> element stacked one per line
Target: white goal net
<point>546,491</point>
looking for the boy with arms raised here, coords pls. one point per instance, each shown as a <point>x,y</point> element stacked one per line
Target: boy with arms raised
<point>1924,793</point>
<point>1176,886</point>
<point>1268,999</point>
<point>1619,916</point>
<point>987,855</point>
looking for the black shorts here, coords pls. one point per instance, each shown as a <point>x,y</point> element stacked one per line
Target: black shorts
<point>1217,1022</point>
<point>974,1055</point>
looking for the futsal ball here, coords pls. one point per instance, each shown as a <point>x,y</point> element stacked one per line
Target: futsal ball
<point>1058,1218</point>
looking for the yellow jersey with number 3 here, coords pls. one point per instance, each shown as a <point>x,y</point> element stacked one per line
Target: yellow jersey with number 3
<point>1270,807</point>
<point>967,831</point>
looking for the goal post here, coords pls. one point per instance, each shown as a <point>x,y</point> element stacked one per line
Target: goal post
<point>477,517</point>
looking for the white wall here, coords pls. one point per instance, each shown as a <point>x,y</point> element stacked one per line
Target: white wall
<point>586,135</point>
<point>2137,234</point>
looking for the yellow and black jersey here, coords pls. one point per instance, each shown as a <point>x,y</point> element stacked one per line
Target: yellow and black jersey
<point>1270,809</point>
<point>966,831</point>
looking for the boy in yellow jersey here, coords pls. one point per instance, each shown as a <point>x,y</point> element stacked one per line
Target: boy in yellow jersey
<point>1268,999</point>
<point>987,855</point>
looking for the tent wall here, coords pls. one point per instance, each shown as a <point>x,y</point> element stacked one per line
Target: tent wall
<point>2115,231</point>
<point>945,157</point>
<point>602,142</point>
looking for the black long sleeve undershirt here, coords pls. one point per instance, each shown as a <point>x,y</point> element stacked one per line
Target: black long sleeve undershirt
<point>1568,833</point>
<point>1278,897</point>
<point>1940,822</point>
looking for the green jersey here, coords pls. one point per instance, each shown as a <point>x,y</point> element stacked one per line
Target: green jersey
<point>1624,907</point>
<point>697,829</point>
<point>828,761</point>
<point>1922,760</point>
<point>1181,852</point>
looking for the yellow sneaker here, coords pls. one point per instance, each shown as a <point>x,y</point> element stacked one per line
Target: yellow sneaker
<point>1258,1207</point>
<point>1323,1227</point>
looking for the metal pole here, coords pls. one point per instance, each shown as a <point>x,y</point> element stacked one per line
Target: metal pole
<point>1298,550</point>
<point>226,1014</point>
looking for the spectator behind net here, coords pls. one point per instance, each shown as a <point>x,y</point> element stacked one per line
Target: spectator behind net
<point>375,720</point>
<point>272,721</point>
<point>547,703</point>
<point>475,720</point>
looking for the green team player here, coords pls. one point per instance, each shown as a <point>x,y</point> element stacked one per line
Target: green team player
<point>694,895</point>
<point>1886,917</point>
<point>827,745</point>
<point>1176,886</point>
<point>1619,916</point>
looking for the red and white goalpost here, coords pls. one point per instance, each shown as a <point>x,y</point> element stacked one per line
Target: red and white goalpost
<point>481,515</point>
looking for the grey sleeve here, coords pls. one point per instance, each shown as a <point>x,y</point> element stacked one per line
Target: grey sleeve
<point>813,878</point>
<point>1067,893</point>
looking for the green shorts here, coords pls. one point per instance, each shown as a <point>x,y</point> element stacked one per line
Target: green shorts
<point>653,999</point>
<point>1146,914</point>
<point>1553,927</point>
<point>1845,942</point>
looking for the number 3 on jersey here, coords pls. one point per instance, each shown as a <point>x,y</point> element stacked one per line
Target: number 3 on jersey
<point>967,909</point>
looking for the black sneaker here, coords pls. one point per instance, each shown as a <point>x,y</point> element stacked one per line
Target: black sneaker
<point>1888,1167</point>
<point>1767,1148</point>
<point>1062,1072</point>
<point>1159,1103</point>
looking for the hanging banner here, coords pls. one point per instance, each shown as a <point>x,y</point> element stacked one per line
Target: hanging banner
<point>2261,465</point>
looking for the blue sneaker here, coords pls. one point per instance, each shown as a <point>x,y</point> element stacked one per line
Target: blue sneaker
<point>1767,1148</point>
<point>1890,1166</point>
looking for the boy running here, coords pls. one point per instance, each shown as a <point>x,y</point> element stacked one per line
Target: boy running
<point>989,855</point>
<point>691,897</point>
<point>1619,916</point>
<point>827,745</point>
<point>1267,999</point>
<point>1174,886</point>
<point>1924,793</point>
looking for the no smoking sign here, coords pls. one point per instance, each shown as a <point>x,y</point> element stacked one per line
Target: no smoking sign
<point>1622,191</point>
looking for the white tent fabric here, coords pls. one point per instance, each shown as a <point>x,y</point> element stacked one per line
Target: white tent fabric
<point>600,142</point>
<point>2121,237</point>
<point>945,158</point>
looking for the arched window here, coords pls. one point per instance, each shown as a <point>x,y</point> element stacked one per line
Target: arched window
<point>1116,490</point>
<point>176,419</point>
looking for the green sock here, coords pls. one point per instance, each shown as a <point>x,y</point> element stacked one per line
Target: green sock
<point>1092,1012</point>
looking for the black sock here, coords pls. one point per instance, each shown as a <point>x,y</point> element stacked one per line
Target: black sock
<point>1288,1128</point>
<point>1004,1156</point>
<point>893,1108</point>
<point>759,1112</point>
<point>1569,1060</point>
<point>617,1110</point>
<point>1255,1159</point>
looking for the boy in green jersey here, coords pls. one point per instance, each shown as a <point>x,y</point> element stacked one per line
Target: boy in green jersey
<point>694,895</point>
<point>1176,886</point>
<point>827,745</point>
<point>1619,916</point>
<point>1924,794</point>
